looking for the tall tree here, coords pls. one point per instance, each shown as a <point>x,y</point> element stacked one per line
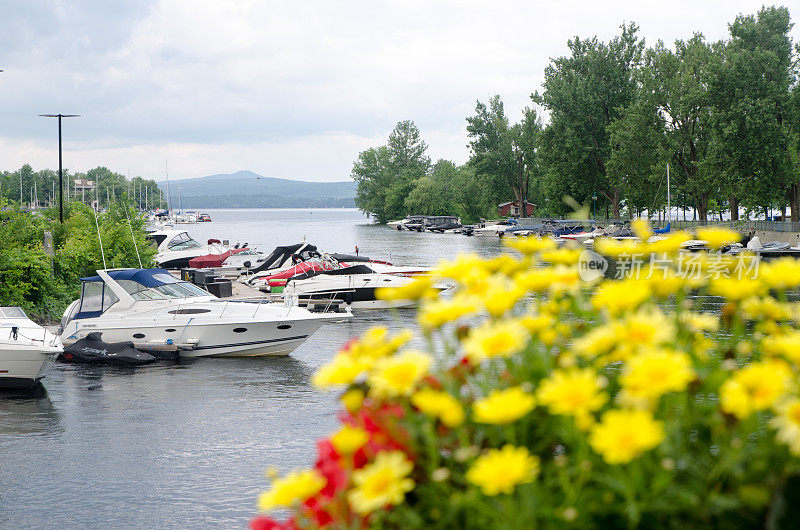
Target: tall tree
<point>751,98</point>
<point>585,93</point>
<point>385,176</point>
<point>491,150</point>
<point>677,84</point>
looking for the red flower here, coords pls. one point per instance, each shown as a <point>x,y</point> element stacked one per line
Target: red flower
<point>317,509</point>
<point>330,465</point>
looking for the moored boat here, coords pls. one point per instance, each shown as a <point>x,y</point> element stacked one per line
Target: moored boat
<point>156,311</point>
<point>27,350</point>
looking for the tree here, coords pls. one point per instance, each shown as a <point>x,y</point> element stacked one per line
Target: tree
<point>385,176</point>
<point>751,98</point>
<point>636,140</point>
<point>585,93</point>
<point>496,151</point>
<point>676,82</point>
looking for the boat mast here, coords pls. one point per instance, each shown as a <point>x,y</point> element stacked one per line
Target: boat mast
<point>169,201</point>
<point>669,211</point>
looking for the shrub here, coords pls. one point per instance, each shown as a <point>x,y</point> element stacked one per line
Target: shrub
<point>660,399</point>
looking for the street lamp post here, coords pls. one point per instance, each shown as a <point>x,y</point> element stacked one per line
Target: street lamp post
<point>594,206</point>
<point>60,171</point>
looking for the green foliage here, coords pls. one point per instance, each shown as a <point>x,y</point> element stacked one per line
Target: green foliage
<point>40,188</point>
<point>586,93</point>
<point>44,285</point>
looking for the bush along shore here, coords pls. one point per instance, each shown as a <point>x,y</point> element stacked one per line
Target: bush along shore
<point>548,398</point>
<point>43,259</point>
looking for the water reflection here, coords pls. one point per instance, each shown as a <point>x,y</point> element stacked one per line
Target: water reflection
<point>27,411</point>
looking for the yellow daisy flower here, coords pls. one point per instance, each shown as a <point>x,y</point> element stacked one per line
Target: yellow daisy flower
<point>717,237</point>
<point>787,422</point>
<point>439,404</point>
<point>623,435</point>
<point>573,392</point>
<point>349,439</point>
<point>398,375</point>
<point>383,482</point>
<point>495,339</point>
<point>502,470</point>
<point>650,375</point>
<point>755,387</point>
<point>503,406</point>
<point>294,488</point>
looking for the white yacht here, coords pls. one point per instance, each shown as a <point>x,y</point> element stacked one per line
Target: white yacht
<point>494,228</point>
<point>27,350</point>
<point>176,248</point>
<point>353,285</point>
<point>156,311</point>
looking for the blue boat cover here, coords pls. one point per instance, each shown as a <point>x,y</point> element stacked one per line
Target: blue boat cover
<point>146,277</point>
<point>664,230</point>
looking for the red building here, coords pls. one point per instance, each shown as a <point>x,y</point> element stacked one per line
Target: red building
<point>512,209</point>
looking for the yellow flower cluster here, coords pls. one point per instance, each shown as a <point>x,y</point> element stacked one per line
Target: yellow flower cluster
<point>545,371</point>
<point>359,357</point>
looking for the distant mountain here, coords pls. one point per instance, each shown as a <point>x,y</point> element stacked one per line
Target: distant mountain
<point>245,189</point>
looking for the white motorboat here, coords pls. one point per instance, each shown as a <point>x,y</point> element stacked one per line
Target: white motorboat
<point>156,311</point>
<point>176,248</point>
<point>494,228</point>
<point>397,225</point>
<point>27,350</point>
<point>352,285</point>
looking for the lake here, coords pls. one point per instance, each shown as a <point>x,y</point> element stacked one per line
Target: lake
<point>186,444</point>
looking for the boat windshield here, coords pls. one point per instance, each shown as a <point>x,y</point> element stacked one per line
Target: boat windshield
<point>177,289</point>
<point>183,242</point>
<point>12,312</point>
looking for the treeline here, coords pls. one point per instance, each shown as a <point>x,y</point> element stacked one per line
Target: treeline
<point>45,280</point>
<point>724,116</point>
<point>39,189</point>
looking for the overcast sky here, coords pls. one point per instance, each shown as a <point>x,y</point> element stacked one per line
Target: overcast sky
<point>286,89</point>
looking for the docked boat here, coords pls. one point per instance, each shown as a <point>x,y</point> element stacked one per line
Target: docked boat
<point>27,350</point>
<point>352,285</point>
<point>176,248</point>
<point>494,228</point>
<point>158,312</point>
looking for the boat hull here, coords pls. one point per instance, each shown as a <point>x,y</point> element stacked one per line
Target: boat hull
<point>23,366</point>
<point>205,338</point>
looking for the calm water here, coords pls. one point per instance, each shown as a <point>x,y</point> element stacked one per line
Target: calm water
<point>180,445</point>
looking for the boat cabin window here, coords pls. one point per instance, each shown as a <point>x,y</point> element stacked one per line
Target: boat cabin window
<point>176,289</point>
<point>157,239</point>
<point>183,242</point>
<point>12,312</point>
<point>96,298</point>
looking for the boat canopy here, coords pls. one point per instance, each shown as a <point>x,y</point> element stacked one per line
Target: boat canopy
<point>146,277</point>
<point>140,284</point>
<point>281,254</point>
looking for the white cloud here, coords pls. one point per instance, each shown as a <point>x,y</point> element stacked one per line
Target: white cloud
<point>288,89</point>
